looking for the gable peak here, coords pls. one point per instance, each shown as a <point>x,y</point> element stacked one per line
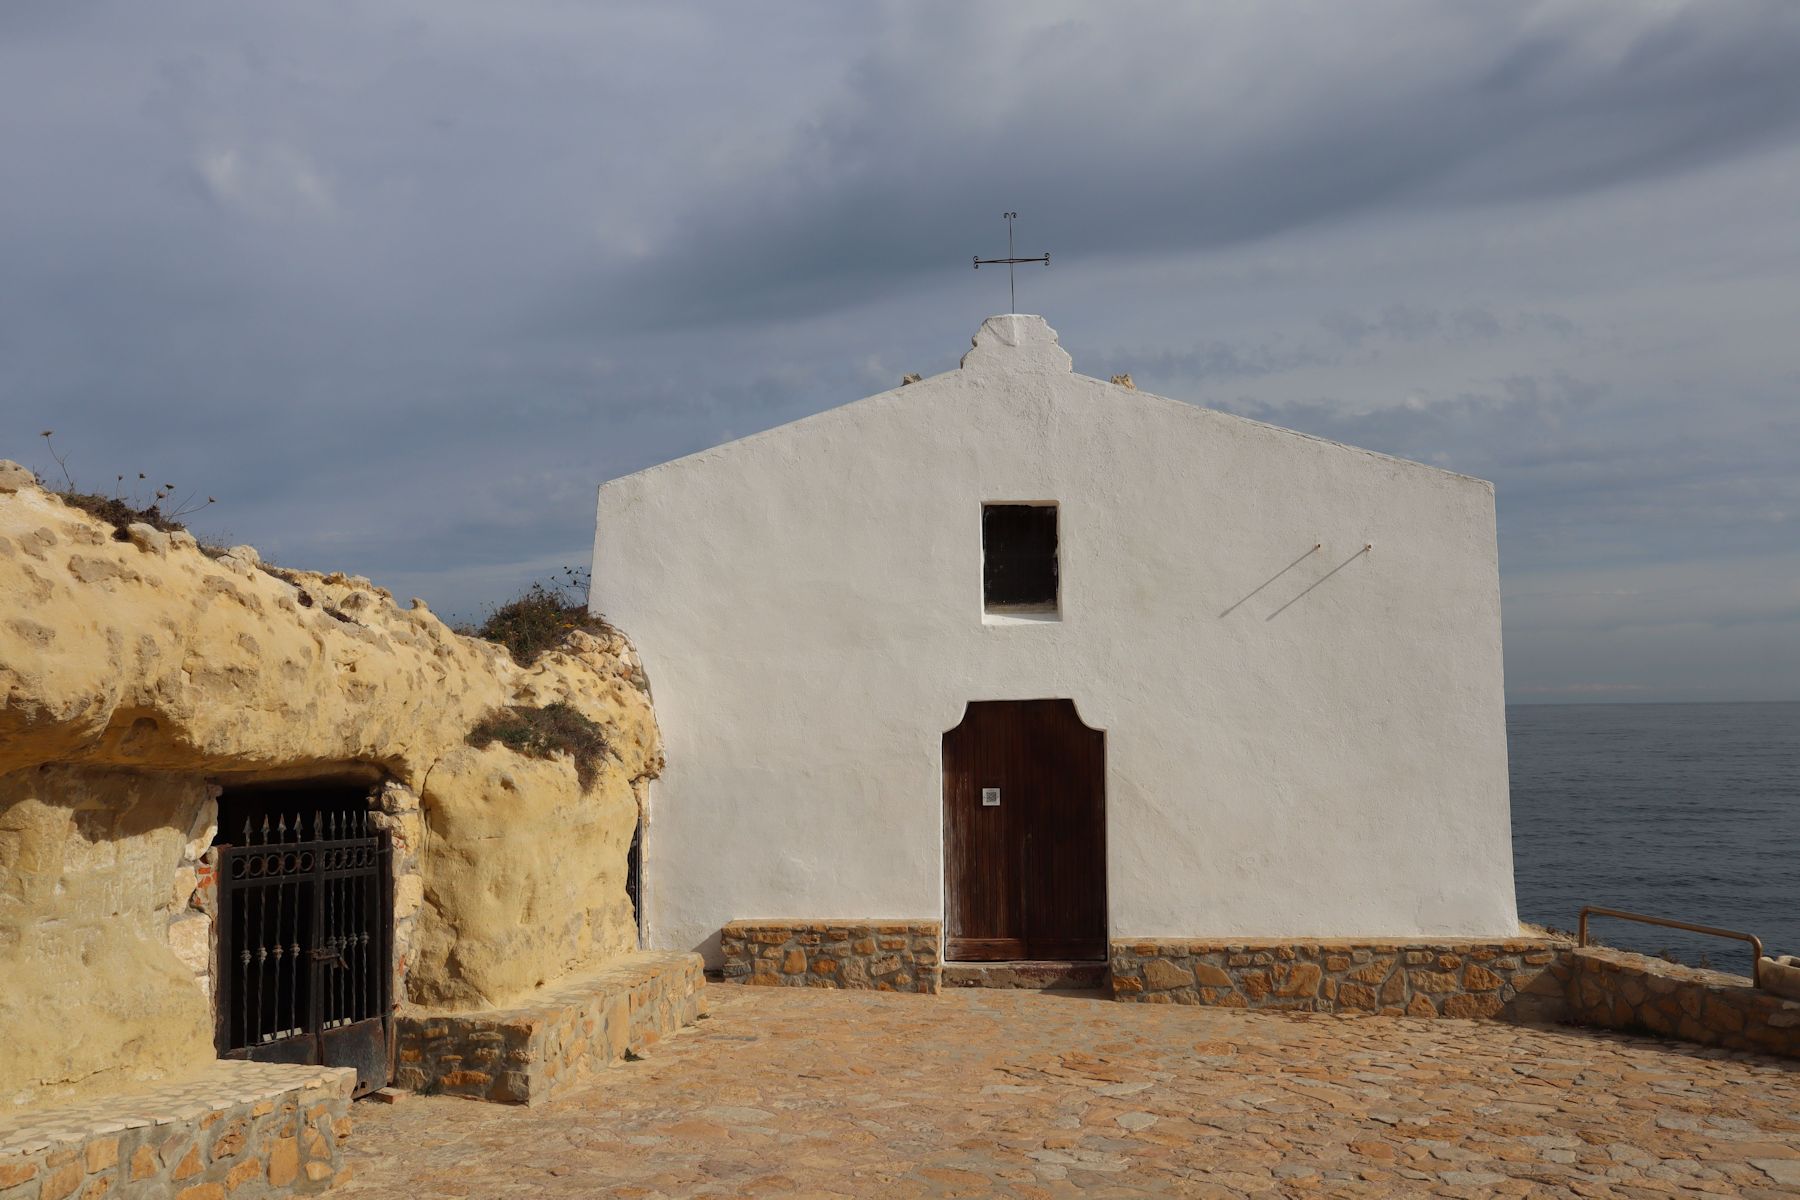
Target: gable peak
<point>1016,342</point>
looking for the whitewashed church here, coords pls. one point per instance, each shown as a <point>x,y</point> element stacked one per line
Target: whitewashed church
<point>1059,663</point>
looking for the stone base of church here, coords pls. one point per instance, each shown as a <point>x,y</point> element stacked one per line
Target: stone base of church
<point>571,1029</point>
<point>1440,978</point>
<point>887,956</point>
<point>253,1129</point>
<point>1450,977</point>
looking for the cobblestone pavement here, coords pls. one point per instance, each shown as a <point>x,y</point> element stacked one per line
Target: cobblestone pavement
<point>788,1092</point>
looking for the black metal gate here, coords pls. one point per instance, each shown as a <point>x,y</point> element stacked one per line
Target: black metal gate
<point>305,921</point>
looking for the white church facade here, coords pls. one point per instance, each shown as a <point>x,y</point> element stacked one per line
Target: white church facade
<point>1062,664</point>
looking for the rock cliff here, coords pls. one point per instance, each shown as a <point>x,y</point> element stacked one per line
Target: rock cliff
<point>139,673</point>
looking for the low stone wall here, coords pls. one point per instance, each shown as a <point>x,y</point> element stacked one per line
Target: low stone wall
<point>252,1130</point>
<point>528,1054</point>
<point>1780,975</point>
<point>1447,978</point>
<point>887,956</point>
<point>1619,990</point>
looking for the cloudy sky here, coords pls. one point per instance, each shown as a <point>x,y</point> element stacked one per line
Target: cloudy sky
<point>401,283</point>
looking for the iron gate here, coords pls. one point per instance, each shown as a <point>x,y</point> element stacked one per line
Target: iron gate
<point>304,934</point>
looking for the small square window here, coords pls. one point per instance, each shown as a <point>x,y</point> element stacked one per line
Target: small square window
<point>1018,560</point>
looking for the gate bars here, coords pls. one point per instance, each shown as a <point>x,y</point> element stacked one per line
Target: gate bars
<point>303,937</point>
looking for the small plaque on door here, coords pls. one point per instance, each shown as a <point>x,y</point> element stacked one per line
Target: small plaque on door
<point>990,797</point>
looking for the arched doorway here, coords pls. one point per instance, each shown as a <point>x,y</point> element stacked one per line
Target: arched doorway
<point>1024,834</point>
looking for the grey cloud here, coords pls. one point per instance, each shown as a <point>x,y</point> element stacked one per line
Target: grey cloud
<point>1577,480</point>
<point>1414,323</point>
<point>401,286</point>
<point>1498,102</point>
<point>1213,360</point>
<point>1219,359</point>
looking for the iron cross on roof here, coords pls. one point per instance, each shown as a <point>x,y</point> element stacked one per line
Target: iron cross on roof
<point>1009,260</point>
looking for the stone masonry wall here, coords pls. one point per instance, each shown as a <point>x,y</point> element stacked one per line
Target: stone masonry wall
<point>252,1130</point>
<point>1451,978</point>
<point>1619,990</point>
<point>887,956</point>
<point>526,1055</point>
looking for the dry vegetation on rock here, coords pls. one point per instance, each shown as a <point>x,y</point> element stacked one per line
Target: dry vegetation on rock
<point>122,511</point>
<point>541,618</point>
<point>544,732</point>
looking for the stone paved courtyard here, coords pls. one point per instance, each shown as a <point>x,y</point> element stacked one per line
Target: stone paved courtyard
<point>786,1092</point>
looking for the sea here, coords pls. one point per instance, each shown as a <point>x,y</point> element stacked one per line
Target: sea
<point>1690,811</point>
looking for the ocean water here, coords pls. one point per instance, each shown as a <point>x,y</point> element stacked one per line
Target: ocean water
<point>1689,811</point>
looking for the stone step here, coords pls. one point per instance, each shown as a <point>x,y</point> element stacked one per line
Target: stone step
<point>1031,976</point>
<point>555,1037</point>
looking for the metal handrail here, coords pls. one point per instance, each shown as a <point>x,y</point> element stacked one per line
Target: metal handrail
<point>1756,946</point>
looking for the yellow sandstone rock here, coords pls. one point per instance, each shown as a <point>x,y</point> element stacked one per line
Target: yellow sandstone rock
<point>137,674</point>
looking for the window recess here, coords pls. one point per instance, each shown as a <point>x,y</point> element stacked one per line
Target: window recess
<point>1020,575</point>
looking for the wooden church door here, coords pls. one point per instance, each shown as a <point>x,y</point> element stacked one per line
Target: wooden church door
<point>1024,834</point>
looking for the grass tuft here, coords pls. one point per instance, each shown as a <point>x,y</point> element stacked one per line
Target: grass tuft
<point>541,618</point>
<point>544,733</point>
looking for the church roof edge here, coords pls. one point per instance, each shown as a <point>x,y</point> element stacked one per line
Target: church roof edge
<point>1025,343</point>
